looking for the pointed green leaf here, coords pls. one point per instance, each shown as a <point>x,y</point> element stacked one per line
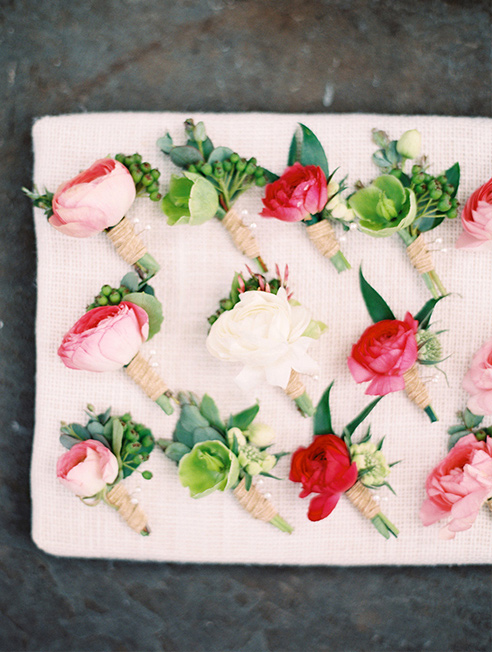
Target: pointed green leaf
<point>210,411</point>
<point>247,481</point>
<point>95,428</point>
<point>453,177</point>
<point>471,420</point>
<point>294,149</point>
<point>152,307</point>
<point>165,144</point>
<point>176,450</point>
<point>79,431</point>
<point>376,306</point>
<point>245,418</point>
<point>206,434</point>
<point>68,441</point>
<point>117,436</point>
<point>351,427</point>
<point>322,417</point>
<point>454,439</point>
<point>425,313</point>
<point>424,224</point>
<point>311,150</point>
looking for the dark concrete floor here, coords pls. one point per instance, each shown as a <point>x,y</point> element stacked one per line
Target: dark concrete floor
<point>57,56</point>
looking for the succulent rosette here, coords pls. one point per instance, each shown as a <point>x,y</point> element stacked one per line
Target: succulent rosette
<point>109,336</point>
<point>216,455</point>
<point>306,192</point>
<point>461,483</point>
<point>101,454</point>
<point>98,199</point>
<point>213,179</point>
<point>408,204</point>
<point>261,326</point>
<point>387,353</point>
<point>331,466</point>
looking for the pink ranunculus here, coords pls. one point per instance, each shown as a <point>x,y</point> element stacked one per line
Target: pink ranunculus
<point>93,200</point>
<point>478,381</point>
<point>105,338</point>
<point>476,219</point>
<point>384,352</point>
<point>300,192</point>
<point>87,468</point>
<point>459,485</point>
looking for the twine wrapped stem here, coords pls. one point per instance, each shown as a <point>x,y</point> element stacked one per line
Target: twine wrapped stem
<point>420,256</point>
<point>255,503</point>
<point>119,498</point>
<point>127,243</point>
<point>295,386</point>
<point>417,392</point>
<point>152,384</point>
<point>362,498</point>
<point>323,237</point>
<point>241,235</point>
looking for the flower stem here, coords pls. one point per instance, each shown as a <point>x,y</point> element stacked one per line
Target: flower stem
<point>147,267</point>
<point>340,262</point>
<point>431,414</point>
<point>261,264</point>
<point>384,526</point>
<point>164,402</point>
<point>438,282</point>
<point>430,284</point>
<point>304,405</point>
<point>281,524</point>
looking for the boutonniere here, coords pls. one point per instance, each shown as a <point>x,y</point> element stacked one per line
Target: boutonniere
<point>98,199</point>
<point>333,465</point>
<point>476,219</point>
<point>260,325</point>
<point>388,352</point>
<point>306,192</point>
<point>462,482</point>
<point>109,335</point>
<point>408,204</point>
<point>101,454</point>
<point>214,455</point>
<point>213,179</point>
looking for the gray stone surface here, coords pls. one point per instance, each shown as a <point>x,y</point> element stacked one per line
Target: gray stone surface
<point>58,56</point>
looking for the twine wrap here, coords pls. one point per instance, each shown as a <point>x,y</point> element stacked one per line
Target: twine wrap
<point>127,243</point>
<point>415,388</point>
<point>323,237</point>
<point>295,386</point>
<point>362,498</point>
<point>255,502</point>
<point>120,499</point>
<point>241,235</point>
<point>420,256</point>
<point>142,373</point>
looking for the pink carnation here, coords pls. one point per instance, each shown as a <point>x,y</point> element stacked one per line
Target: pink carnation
<point>459,485</point>
<point>478,381</point>
<point>476,219</point>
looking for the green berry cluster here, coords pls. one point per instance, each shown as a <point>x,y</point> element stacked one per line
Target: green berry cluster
<point>109,296</point>
<point>146,177</point>
<point>138,442</point>
<point>435,191</point>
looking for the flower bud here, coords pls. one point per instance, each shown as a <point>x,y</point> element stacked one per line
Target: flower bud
<point>268,463</point>
<point>260,434</point>
<point>409,144</point>
<point>371,460</point>
<point>240,438</point>
<point>429,346</point>
<point>253,468</point>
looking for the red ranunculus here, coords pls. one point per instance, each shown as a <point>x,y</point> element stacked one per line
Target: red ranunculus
<point>300,192</point>
<point>383,354</point>
<point>323,468</point>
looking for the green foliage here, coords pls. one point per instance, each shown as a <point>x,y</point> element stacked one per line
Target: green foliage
<point>376,306</point>
<point>322,417</point>
<point>425,313</point>
<point>355,423</point>
<point>243,419</point>
<point>307,150</point>
<point>152,307</point>
<point>469,424</point>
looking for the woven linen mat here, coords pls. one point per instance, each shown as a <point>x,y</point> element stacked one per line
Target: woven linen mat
<point>197,268</point>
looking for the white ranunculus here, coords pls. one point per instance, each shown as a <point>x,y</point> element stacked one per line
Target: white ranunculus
<point>265,333</point>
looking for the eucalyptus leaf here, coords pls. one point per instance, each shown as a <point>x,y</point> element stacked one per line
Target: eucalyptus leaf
<point>165,143</point>
<point>376,306</point>
<point>80,431</point>
<point>184,155</point>
<point>117,438</point>
<point>220,154</point>
<point>131,281</point>
<point>351,427</point>
<point>95,428</point>
<point>322,417</point>
<point>104,417</point>
<point>102,439</point>
<point>379,159</point>
<point>245,418</point>
<point>191,418</point>
<point>176,450</point>
<point>471,420</point>
<point>459,428</point>
<point>68,441</point>
<point>454,439</point>
<point>210,411</point>
<point>206,434</point>
<point>152,307</point>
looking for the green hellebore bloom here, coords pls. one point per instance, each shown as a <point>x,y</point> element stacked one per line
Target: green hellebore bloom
<point>409,144</point>
<point>208,467</point>
<point>384,207</point>
<point>372,461</point>
<point>191,200</point>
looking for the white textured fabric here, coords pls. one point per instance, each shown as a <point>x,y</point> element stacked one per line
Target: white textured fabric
<point>197,268</point>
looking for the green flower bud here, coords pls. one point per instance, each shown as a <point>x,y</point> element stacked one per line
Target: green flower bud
<point>147,180</point>
<point>372,461</point>
<point>146,167</point>
<point>206,169</point>
<point>448,188</point>
<point>114,297</point>
<point>253,468</point>
<point>240,438</point>
<point>260,181</point>
<point>155,173</point>
<point>120,158</point>
<point>268,463</point>
<point>452,213</point>
<point>128,160</point>
<point>250,168</point>
<point>259,434</point>
<point>435,194</point>
<point>106,290</point>
<point>416,169</point>
<point>241,165</point>
<point>227,165</point>
<point>192,168</point>
<point>429,346</point>
<point>255,461</point>
<point>146,475</point>
<point>155,196</point>
<point>137,176</point>
<point>102,301</point>
<point>234,157</point>
<point>444,204</point>
<point>147,441</point>
<point>418,178</point>
<point>137,159</point>
<point>409,144</point>
<point>208,467</point>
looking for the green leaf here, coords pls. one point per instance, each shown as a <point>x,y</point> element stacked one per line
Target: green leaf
<point>176,450</point>
<point>210,411</point>
<point>248,480</point>
<point>102,440</point>
<point>454,429</point>
<point>80,431</point>
<point>311,150</point>
<point>425,313</point>
<point>376,306</point>
<point>165,144</point>
<point>471,420</point>
<point>184,155</point>
<point>454,439</point>
<point>104,417</point>
<point>453,177</point>
<point>315,329</point>
<point>220,154</point>
<point>206,434</point>
<point>131,281</point>
<point>152,307</point>
<point>95,428</point>
<point>245,418</point>
<point>351,427</point>
<point>424,224</point>
<point>117,436</point>
<point>322,416</point>
<point>379,159</point>
<point>203,200</point>
<point>68,441</point>
<point>380,137</point>
<point>294,149</point>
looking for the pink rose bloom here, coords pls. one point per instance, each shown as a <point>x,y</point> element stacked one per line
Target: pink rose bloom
<point>300,192</point>
<point>478,381</point>
<point>87,468</point>
<point>93,200</point>
<point>476,219</point>
<point>383,354</point>
<point>459,485</point>
<point>105,338</point>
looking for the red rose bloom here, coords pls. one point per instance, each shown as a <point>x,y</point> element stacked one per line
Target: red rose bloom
<point>383,354</point>
<point>300,192</point>
<point>323,468</point>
